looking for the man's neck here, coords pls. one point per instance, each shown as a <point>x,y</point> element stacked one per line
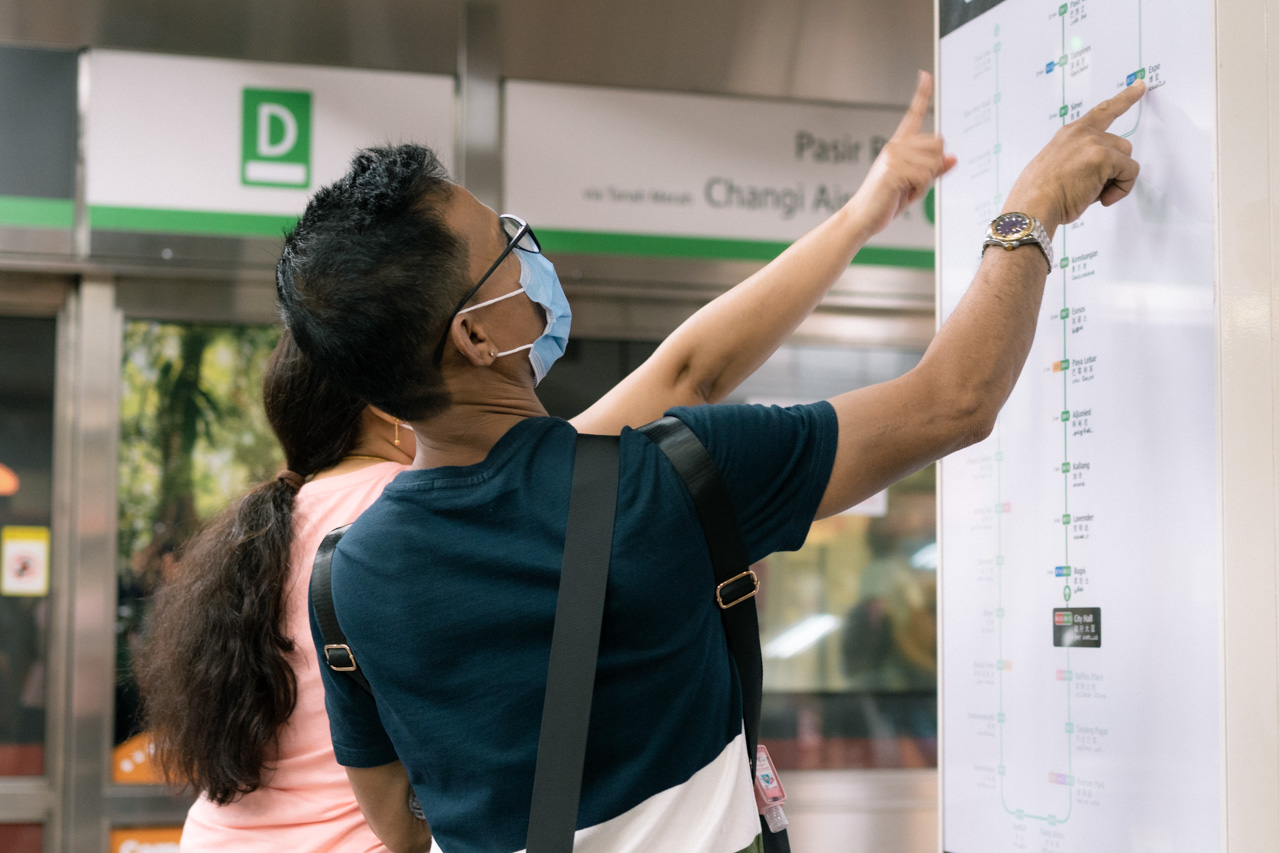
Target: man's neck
<point>466,431</point>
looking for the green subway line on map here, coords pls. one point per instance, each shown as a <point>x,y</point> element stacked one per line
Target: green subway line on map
<point>1064,369</point>
<point>1065,404</point>
<point>1065,108</point>
<point>1141,71</point>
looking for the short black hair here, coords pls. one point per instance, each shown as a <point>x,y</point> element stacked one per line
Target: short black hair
<point>369,274</point>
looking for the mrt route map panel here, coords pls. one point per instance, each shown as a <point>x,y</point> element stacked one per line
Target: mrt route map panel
<point>1080,588</point>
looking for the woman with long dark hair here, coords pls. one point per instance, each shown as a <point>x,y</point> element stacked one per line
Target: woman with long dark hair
<point>232,693</point>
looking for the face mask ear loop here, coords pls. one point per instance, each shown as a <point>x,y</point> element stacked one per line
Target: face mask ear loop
<point>511,351</point>
<point>491,301</point>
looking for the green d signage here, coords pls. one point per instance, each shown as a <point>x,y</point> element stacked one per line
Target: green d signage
<point>276,150</point>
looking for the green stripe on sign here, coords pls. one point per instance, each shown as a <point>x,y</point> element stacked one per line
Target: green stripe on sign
<point>662,246</point>
<point>37,212</point>
<point>104,218</point>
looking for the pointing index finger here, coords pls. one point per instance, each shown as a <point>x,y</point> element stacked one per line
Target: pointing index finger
<point>1105,113</point>
<point>914,118</point>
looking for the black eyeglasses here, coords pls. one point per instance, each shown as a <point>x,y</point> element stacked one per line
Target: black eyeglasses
<point>518,236</point>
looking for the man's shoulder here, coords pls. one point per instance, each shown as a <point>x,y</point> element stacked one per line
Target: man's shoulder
<point>374,532</point>
<point>750,421</point>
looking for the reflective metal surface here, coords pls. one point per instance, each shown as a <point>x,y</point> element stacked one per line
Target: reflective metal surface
<point>60,627</point>
<point>166,253</point>
<point>822,49</point>
<point>479,148</point>
<point>394,34</point>
<point>32,294</point>
<point>841,811</point>
<point>96,360</point>
<point>248,300</point>
<point>35,241</point>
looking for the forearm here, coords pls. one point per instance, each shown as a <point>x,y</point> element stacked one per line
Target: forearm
<point>952,397</point>
<point>980,350</point>
<point>383,795</point>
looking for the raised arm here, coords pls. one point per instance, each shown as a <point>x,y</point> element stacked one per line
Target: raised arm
<point>727,340</point>
<point>951,399</point>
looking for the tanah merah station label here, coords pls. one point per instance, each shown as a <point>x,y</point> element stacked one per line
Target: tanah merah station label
<point>1077,626</point>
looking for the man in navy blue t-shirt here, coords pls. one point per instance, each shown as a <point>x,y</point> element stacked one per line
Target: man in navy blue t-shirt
<point>461,646</point>
<point>406,289</point>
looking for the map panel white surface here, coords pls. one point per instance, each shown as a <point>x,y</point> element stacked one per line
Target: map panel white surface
<point>1080,543</point>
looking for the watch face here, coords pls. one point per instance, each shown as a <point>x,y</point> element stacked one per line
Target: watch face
<point>1010,226</point>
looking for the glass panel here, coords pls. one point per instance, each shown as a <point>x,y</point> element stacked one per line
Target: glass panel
<point>849,622</point>
<point>193,435</point>
<point>21,837</point>
<point>27,353</point>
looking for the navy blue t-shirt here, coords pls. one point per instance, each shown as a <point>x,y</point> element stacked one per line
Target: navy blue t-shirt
<point>446,590</point>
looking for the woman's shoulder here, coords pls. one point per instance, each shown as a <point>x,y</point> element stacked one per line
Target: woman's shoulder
<point>322,505</point>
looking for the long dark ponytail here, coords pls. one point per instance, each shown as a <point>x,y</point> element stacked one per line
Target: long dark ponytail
<point>216,682</point>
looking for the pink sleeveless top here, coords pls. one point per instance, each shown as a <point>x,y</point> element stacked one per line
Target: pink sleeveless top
<point>306,803</point>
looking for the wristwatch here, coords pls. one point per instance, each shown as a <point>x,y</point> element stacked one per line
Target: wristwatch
<point>1011,230</point>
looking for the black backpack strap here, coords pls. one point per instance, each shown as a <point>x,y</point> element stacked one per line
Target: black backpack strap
<point>337,653</point>
<point>735,582</point>
<point>575,642</point>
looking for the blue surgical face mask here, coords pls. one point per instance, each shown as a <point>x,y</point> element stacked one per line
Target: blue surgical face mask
<point>540,283</point>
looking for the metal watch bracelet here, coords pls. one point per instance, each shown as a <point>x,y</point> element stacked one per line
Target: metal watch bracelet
<point>1015,229</point>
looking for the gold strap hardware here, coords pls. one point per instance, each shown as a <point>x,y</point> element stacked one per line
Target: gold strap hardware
<point>719,590</point>
<point>350,656</point>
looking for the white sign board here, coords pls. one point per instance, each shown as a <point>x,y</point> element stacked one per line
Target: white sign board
<point>633,172</point>
<point>1081,565</point>
<point>217,146</point>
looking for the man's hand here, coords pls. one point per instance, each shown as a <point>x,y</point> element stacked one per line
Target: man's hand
<point>905,168</point>
<point>1082,164</point>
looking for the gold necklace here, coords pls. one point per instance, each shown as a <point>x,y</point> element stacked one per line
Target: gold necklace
<point>358,456</point>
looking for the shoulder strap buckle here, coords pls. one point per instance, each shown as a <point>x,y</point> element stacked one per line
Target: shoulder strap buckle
<point>339,657</point>
<point>737,589</point>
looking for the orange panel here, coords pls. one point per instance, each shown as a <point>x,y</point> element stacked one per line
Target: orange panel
<point>146,839</point>
<point>131,762</point>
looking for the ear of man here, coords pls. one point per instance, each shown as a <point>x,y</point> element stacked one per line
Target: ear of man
<point>471,340</point>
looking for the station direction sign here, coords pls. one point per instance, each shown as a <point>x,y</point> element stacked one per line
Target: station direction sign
<point>37,148</point>
<point>619,171</point>
<point>188,145</point>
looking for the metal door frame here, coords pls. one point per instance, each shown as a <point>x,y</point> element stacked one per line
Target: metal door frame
<point>92,804</point>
